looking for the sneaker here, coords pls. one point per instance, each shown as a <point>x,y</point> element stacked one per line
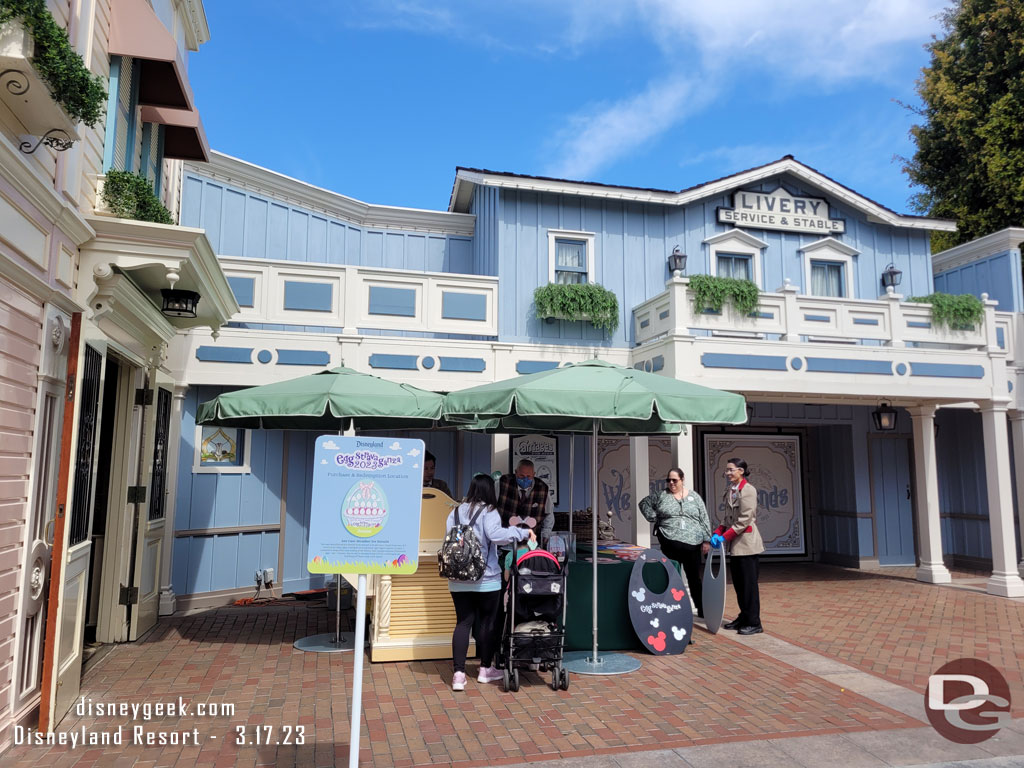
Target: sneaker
<point>459,681</point>
<point>489,675</point>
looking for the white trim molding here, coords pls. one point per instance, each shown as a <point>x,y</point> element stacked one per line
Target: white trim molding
<point>565,234</point>
<point>1008,239</point>
<point>829,249</point>
<point>739,242</point>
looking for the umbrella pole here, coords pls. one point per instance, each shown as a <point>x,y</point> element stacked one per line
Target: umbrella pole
<point>581,662</point>
<point>594,512</point>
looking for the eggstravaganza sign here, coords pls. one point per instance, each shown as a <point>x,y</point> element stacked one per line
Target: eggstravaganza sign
<point>365,506</point>
<point>780,210</point>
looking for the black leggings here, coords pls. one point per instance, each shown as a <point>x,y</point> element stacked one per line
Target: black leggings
<point>474,611</point>
<point>687,555</point>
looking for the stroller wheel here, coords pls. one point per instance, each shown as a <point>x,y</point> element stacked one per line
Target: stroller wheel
<point>564,681</point>
<point>555,678</point>
<point>515,680</point>
<point>506,683</point>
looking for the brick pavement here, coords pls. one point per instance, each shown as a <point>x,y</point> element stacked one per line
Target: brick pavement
<point>719,691</point>
<point>890,625</point>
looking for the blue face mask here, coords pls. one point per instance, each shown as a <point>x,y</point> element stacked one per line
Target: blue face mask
<point>524,482</point>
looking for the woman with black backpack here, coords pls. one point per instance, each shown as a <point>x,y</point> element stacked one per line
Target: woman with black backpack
<point>469,558</point>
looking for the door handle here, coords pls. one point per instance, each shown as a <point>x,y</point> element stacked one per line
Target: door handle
<point>908,490</point>
<point>48,532</point>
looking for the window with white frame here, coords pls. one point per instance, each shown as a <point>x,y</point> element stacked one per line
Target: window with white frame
<point>570,256</point>
<point>735,265</point>
<point>736,253</point>
<point>828,268</point>
<point>221,450</point>
<point>828,278</point>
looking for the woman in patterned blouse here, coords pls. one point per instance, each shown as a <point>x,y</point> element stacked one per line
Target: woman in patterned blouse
<point>682,527</point>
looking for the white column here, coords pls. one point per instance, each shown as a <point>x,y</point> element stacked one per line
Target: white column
<point>682,455</point>
<point>792,310</point>
<point>500,453</point>
<point>895,317</point>
<point>926,481</point>
<point>167,596</point>
<point>1005,580</point>
<point>1017,432</point>
<point>639,473</point>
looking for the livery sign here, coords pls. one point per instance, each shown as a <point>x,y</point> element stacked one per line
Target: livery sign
<point>780,210</point>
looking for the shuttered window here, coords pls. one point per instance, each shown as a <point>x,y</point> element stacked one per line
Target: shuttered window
<point>122,109</point>
<point>153,153</point>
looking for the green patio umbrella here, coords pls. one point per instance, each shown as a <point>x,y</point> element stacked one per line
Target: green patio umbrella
<point>329,400</point>
<point>575,397</point>
<point>334,400</point>
<point>594,396</point>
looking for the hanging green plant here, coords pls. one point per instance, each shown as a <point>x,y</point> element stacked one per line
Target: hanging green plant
<point>961,312</point>
<point>80,92</point>
<point>578,301</point>
<point>710,292</point>
<point>130,196</point>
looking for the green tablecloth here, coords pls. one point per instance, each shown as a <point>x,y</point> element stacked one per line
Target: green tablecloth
<point>614,628</point>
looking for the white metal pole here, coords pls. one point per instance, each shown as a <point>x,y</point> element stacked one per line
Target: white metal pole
<point>595,513</point>
<point>357,674</point>
<point>337,611</point>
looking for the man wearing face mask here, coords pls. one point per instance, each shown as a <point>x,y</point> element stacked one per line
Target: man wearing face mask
<point>523,496</point>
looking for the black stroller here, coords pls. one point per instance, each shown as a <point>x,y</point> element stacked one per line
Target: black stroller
<point>533,632</point>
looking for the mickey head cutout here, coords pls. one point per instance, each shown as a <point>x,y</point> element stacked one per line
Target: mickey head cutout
<point>668,613</point>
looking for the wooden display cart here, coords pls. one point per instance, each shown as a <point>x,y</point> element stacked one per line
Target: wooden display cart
<point>413,616</point>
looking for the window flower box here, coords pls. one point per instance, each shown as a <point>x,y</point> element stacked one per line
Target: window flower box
<point>26,94</point>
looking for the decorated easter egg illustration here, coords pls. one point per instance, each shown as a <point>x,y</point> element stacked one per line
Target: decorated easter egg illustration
<point>365,509</point>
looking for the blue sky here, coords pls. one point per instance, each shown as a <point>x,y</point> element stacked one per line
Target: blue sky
<point>382,100</point>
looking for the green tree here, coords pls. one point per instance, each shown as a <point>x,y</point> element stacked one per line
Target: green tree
<point>970,147</point>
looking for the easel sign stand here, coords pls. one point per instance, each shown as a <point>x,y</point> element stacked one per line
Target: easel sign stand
<point>374,529</point>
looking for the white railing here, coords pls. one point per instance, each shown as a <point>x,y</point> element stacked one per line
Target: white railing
<point>364,297</point>
<point>795,318</point>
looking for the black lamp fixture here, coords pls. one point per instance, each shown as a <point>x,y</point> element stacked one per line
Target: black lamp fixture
<point>891,276</point>
<point>677,261</point>
<point>884,417</point>
<point>179,303</point>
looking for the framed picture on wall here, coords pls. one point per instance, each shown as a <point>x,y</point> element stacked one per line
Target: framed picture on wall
<point>774,464</point>
<point>542,450</point>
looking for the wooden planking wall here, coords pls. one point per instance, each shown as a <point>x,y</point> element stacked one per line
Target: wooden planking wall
<point>242,223</point>
<point>204,501</point>
<point>633,241</point>
<point>998,275</point>
<point>21,320</point>
<point>963,493</point>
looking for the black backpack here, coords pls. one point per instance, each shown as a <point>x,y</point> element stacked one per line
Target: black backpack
<point>461,557</point>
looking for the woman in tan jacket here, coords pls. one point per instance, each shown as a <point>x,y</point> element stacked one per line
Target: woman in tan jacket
<point>740,531</point>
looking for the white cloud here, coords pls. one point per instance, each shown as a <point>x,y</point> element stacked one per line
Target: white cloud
<point>331,446</point>
<point>395,446</point>
<point>414,452</point>
<point>714,49</point>
<point>323,461</point>
<point>603,134</point>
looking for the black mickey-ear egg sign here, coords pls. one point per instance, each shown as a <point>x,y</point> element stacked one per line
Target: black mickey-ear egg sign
<point>663,622</point>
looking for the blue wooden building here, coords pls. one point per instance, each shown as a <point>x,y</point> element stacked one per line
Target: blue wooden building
<point>444,300</point>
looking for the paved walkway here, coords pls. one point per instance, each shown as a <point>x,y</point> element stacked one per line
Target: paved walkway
<point>837,679</point>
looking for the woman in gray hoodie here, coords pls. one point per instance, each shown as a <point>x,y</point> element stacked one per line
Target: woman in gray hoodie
<point>476,602</point>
